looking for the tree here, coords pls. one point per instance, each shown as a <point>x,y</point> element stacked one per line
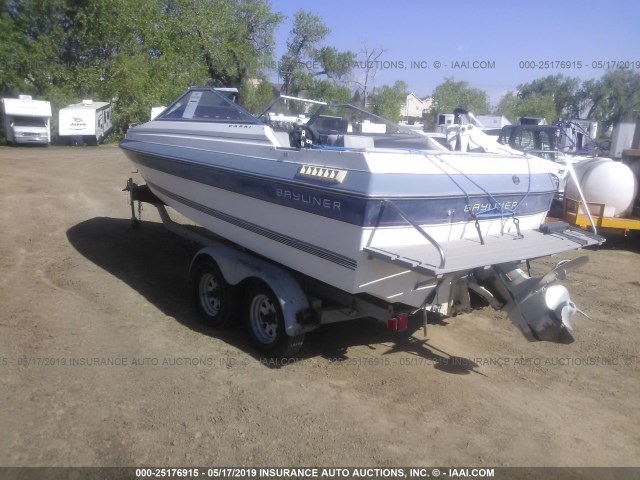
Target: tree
<point>613,98</point>
<point>327,91</point>
<point>29,48</point>
<point>534,105</point>
<point>255,97</point>
<point>508,106</point>
<point>537,105</point>
<point>370,68</point>
<point>451,95</point>
<point>12,53</point>
<point>231,37</point>
<point>387,101</point>
<point>305,63</point>
<point>66,50</point>
<point>295,66</point>
<point>564,92</point>
<point>334,64</point>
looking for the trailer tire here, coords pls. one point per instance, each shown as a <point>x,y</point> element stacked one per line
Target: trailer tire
<point>215,298</point>
<point>265,323</point>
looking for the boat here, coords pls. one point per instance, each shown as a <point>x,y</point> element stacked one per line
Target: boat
<point>363,206</point>
<point>465,132</point>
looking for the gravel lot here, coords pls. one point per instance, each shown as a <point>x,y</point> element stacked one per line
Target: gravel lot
<point>104,363</point>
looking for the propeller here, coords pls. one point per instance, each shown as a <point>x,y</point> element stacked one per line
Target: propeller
<point>558,301</point>
<point>562,269</point>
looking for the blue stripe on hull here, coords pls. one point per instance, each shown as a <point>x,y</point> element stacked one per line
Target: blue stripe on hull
<point>337,203</point>
<point>333,257</point>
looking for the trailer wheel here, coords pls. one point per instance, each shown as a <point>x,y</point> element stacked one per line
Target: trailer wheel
<point>265,322</point>
<point>214,297</point>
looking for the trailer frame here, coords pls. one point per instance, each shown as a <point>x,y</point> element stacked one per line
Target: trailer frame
<point>304,302</point>
<point>572,214</point>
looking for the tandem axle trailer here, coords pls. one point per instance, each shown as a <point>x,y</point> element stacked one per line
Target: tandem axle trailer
<point>279,306</point>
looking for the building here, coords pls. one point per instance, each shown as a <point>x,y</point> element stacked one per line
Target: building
<point>414,106</point>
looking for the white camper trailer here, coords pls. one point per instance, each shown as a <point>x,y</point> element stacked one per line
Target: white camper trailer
<point>26,121</point>
<point>88,122</point>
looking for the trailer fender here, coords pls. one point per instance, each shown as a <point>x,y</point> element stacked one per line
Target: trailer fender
<point>237,266</point>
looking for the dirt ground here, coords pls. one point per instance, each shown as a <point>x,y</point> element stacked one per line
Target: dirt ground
<point>104,363</point>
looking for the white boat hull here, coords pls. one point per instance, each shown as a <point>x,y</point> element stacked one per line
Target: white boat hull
<point>292,237</point>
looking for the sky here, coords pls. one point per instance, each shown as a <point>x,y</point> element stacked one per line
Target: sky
<point>493,45</point>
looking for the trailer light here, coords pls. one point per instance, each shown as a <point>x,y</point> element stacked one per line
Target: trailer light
<point>392,323</point>
<point>403,321</point>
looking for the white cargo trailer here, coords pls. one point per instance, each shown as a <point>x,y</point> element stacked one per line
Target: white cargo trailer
<point>26,121</point>
<point>88,122</point>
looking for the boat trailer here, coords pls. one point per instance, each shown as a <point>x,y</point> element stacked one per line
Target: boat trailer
<point>280,311</point>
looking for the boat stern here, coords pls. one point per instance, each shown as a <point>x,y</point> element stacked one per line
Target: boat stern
<point>467,274</point>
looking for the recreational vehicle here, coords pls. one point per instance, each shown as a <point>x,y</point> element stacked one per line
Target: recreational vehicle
<point>26,121</point>
<point>88,122</point>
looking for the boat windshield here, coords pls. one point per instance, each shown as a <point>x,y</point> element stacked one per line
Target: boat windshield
<point>206,105</point>
<point>299,122</point>
<point>540,140</point>
<point>285,112</point>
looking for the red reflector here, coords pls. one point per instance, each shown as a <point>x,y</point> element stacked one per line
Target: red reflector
<point>403,321</point>
<point>392,323</point>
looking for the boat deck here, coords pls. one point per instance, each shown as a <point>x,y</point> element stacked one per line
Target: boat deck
<point>470,253</point>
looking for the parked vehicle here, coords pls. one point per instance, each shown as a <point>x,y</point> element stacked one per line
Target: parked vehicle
<point>83,123</point>
<point>26,121</point>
